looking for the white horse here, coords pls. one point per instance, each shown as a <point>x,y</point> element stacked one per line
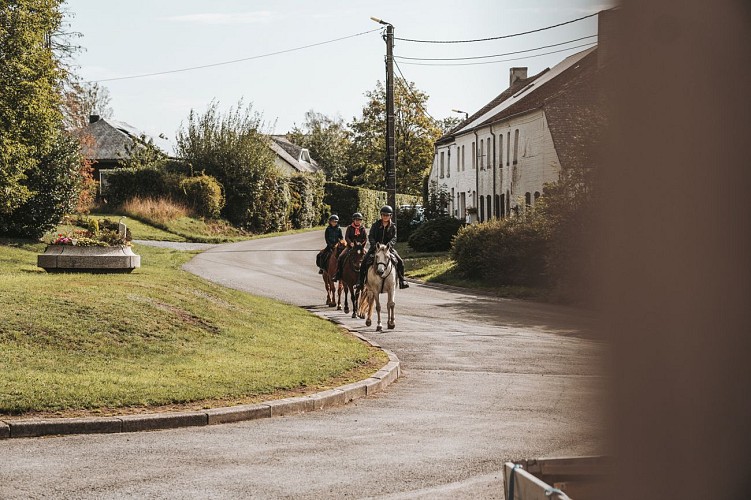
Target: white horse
<point>381,279</point>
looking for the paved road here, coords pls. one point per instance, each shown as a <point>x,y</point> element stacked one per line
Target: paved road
<point>484,380</point>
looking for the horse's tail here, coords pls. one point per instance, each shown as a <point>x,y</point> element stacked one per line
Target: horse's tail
<point>366,298</point>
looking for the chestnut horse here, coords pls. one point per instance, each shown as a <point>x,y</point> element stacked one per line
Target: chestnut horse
<point>351,275</point>
<point>328,276</point>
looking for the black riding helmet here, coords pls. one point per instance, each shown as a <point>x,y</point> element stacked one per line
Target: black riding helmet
<point>356,215</point>
<point>334,217</point>
<point>386,209</point>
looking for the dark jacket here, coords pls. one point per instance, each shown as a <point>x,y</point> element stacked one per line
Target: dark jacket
<point>351,238</point>
<point>379,234</point>
<point>332,235</point>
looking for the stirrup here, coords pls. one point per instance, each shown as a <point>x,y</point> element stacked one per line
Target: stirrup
<point>403,285</point>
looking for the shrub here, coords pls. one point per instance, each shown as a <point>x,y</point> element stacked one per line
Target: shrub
<point>409,219</point>
<point>435,235</point>
<point>504,252</point>
<point>306,200</point>
<point>124,184</point>
<point>203,194</point>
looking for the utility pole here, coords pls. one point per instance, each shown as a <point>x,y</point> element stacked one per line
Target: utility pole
<point>390,120</point>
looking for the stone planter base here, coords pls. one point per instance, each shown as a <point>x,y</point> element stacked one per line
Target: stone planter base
<point>71,258</point>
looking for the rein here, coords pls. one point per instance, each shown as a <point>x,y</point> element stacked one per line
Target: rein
<point>390,265</point>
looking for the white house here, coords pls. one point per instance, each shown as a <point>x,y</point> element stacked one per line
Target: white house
<point>498,160</point>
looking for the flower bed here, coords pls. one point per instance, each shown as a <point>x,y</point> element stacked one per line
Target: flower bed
<point>103,247</point>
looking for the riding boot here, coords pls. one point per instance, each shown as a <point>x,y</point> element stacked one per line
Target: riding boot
<point>400,273</point>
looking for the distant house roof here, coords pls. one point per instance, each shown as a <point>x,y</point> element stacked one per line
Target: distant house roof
<point>111,139</point>
<point>297,157</point>
<point>569,95</point>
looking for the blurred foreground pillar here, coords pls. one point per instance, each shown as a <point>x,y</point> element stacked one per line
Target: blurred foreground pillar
<point>676,264</point>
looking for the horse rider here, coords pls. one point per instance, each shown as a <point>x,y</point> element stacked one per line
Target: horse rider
<point>355,234</point>
<point>383,231</point>
<point>332,236</point>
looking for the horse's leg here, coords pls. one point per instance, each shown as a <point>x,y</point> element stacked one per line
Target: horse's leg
<point>379,326</point>
<point>391,324</point>
<point>346,297</point>
<point>339,287</point>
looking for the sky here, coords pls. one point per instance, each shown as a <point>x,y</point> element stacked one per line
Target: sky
<point>123,39</point>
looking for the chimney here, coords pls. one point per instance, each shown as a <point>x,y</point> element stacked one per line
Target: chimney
<point>607,31</point>
<point>517,74</point>
<point>93,118</point>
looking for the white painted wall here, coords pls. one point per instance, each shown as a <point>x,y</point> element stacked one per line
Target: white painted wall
<point>536,163</point>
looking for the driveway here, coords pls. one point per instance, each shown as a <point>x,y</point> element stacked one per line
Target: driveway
<point>484,380</point>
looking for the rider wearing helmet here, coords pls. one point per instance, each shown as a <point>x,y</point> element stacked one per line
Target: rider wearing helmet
<point>383,231</point>
<point>355,234</point>
<point>332,235</point>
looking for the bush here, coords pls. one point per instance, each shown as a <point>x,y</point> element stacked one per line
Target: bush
<point>203,194</point>
<point>306,200</point>
<point>408,220</point>
<point>124,184</point>
<point>157,210</point>
<point>435,235</point>
<point>504,252</point>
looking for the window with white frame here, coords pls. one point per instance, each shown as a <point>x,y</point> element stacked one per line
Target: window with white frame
<point>441,163</point>
<point>516,146</point>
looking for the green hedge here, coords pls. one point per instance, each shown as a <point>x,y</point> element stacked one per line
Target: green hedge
<point>124,184</point>
<point>503,252</point>
<point>203,194</point>
<point>346,200</point>
<point>307,208</point>
<point>435,235</point>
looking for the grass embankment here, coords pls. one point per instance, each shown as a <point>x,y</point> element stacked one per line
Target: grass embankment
<point>438,267</point>
<point>73,343</point>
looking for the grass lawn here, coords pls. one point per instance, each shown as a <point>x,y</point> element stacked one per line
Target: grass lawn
<point>438,267</point>
<point>73,344</point>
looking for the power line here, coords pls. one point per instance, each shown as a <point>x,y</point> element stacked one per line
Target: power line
<point>503,60</point>
<point>497,37</point>
<point>492,55</point>
<point>234,60</point>
<point>409,90</point>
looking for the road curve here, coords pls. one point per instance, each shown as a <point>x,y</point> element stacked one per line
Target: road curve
<point>484,380</point>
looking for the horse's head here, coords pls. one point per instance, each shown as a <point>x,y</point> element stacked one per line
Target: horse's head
<point>357,254</point>
<point>382,259</point>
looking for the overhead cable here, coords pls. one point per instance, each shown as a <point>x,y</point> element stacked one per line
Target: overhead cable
<point>502,60</point>
<point>234,60</point>
<point>492,55</point>
<point>497,37</point>
<point>409,90</point>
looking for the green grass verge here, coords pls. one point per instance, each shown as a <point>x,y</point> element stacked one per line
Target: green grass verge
<point>438,267</point>
<point>158,336</point>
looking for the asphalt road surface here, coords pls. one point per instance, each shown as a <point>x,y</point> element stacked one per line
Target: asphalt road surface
<point>484,380</point>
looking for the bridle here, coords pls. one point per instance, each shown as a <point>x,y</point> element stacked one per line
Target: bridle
<point>356,251</point>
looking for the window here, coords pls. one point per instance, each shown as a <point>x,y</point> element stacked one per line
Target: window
<point>527,199</point>
<point>464,164</point>
<point>482,208</point>
<point>500,150</point>
<point>474,155</point>
<point>458,154</point>
<point>441,164</point>
<point>448,163</point>
<point>489,201</point>
<point>508,149</point>
<point>503,205</point>
<point>482,150</point>
<point>305,156</point>
<point>508,202</point>
<point>516,145</point>
<point>489,154</point>
<point>453,203</point>
<point>537,195</point>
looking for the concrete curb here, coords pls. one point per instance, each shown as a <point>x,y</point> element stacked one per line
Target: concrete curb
<point>171,420</point>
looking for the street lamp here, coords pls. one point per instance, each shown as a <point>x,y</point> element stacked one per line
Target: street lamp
<point>466,115</point>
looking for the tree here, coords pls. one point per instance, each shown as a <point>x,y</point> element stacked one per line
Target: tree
<point>234,149</point>
<point>415,135</point>
<point>83,99</point>
<point>328,141</point>
<point>41,169</point>
<point>448,124</point>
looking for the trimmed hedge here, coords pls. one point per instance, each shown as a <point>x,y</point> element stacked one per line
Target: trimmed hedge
<point>504,252</point>
<point>306,200</point>
<point>124,184</point>
<point>435,235</point>
<point>346,200</point>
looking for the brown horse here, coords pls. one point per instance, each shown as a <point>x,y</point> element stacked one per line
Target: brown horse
<point>328,276</point>
<point>351,275</point>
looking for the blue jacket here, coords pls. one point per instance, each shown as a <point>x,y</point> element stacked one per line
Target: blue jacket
<point>332,235</point>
